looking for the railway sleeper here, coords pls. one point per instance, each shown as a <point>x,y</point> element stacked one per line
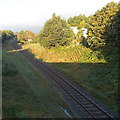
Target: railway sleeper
<point>92,108</point>
<point>85,103</point>
<point>82,109</point>
<point>102,116</point>
<point>77,95</point>
<point>82,99</point>
<point>99,114</point>
<point>88,105</point>
<point>66,87</point>
<point>72,91</point>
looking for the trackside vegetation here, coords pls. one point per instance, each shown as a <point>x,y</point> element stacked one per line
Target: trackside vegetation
<point>56,32</point>
<point>26,94</point>
<point>84,67</point>
<point>6,35</point>
<point>92,61</point>
<point>88,58</point>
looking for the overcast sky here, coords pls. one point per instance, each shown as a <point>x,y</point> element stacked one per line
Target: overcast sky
<point>32,14</point>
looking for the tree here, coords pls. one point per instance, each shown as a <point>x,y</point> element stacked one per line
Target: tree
<point>98,24</point>
<point>114,30</point>
<point>25,36</point>
<point>80,26</point>
<point>76,20</point>
<point>55,32</point>
<point>7,35</point>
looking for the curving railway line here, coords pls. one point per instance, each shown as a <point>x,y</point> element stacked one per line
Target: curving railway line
<point>90,108</point>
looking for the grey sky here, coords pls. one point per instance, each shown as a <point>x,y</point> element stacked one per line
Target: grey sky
<point>31,14</point>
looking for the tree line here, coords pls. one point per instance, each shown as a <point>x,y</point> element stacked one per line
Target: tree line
<point>6,35</point>
<point>24,36</point>
<point>102,28</point>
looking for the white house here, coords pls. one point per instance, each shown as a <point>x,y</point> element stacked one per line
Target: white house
<point>84,32</point>
<point>75,30</point>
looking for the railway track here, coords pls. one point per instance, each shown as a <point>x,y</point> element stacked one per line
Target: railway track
<point>91,109</point>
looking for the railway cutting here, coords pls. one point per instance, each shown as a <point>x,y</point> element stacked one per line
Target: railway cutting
<point>81,103</point>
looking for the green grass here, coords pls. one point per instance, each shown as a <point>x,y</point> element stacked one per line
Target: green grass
<point>26,94</point>
<point>65,54</point>
<point>96,71</point>
<point>100,79</point>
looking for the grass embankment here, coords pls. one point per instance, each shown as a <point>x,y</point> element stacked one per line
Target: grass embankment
<point>26,94</point>
<point>84,67</point>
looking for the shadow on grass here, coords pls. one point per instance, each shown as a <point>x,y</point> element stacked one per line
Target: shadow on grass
<point>100,79</point>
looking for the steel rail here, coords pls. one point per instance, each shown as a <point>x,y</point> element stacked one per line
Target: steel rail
<point>78,91</point>
<point>50,70</point>
<point>67,90</point>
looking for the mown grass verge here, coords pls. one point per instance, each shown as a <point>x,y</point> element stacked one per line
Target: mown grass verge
<point>26,94</point>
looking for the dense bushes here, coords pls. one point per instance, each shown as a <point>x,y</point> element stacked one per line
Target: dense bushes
<point>103,26</point>
<point>25,36</point>
<point>55,32</point>
<point>65,54</point>
<point>76,20</point>
<point>6,35</point>
<point>94,64</point>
